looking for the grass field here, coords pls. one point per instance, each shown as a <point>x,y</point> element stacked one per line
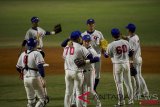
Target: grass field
<point>72,14</point>
<point>12,94</point>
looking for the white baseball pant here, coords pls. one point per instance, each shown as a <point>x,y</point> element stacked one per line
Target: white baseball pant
<point>73,79</point>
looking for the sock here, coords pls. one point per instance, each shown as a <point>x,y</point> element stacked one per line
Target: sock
<point>96,84</point>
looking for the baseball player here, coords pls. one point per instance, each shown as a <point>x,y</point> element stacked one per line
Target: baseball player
<point>119,51</point>
<point>98,43</point>
<point>38,33</point>
<point>74,67</point>
<point>30,66</point>
<point>140,87</point>
<point>89,73</point>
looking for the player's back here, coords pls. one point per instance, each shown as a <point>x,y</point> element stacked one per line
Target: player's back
<point>118,51</point>
<point>32,59</point>
<point>72,52</point>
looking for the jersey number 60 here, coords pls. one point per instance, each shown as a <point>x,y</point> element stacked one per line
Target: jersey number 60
<point>121,49</point>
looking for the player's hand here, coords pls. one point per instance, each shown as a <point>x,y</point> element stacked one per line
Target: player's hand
<point>57,28</point>
<point>105,53</point>
<point>21,76</point>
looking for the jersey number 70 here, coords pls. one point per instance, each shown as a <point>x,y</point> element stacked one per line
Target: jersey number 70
<point>69,50</point>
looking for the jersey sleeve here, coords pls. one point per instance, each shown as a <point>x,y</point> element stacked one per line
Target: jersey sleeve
<point>109,50</point>
<point>19,63</point>
<point>85,52</point>
<point>39,58</point>
<point>93,52</point>
<point>27,35</point>
<point>42,31</point>
<point>132,44</point>
<point>100,37</point>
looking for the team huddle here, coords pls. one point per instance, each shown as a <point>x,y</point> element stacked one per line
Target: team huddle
<point>82,64</point>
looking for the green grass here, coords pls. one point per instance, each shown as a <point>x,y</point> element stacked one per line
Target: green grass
<point>12,93</point>
<point>15,18</point>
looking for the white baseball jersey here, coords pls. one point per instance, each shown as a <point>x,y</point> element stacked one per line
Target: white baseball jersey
<point>94,53</point>
<point>71,53</point>
<point>118,50</point>
<point>96,37</point>
<point>38,34</point>
<point>34,58</point>
<point>135,45</point>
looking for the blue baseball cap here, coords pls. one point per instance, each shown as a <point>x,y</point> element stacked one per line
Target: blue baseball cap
<point>75,35</point>
<point>131,27</point>
<point>115,32</point>
<point>31,43</point>
<point>34,19</point>
<point>86,38</point>
<point>90,21</point>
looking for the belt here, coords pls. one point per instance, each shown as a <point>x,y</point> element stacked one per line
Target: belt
<point>86,70</point>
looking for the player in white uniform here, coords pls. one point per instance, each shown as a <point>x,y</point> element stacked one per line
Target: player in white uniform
<point>89,73</point>
<point>73,71</point>
<point>96,38</point>
<point>73,74</point>
<point>140,87</point>
<point>30,65</point>
<point>38,33</point>
<point>119,51</point>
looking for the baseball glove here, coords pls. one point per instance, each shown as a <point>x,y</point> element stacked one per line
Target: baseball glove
<point>133,71</point>
<point>80,62</point>
<point>57,28</point>
<point>103,44</point>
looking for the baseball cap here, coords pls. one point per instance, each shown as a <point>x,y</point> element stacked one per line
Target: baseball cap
<point>34,19</point>
<point>131,27</point>
<point>31,42</point>
<point>90,21</point>
<point>75,35</point>
<point>115,32</point>
<point>86,38</point>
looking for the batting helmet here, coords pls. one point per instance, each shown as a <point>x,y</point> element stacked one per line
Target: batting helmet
<point>86,38</point>
<point>34,19</point>
<point>75,35</point>
<point>131,27</point>
<point>90,21</point>
<point>31,43</point>
<point>115,32</point>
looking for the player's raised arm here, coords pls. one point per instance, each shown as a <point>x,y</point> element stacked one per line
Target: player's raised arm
<point>57,29</point>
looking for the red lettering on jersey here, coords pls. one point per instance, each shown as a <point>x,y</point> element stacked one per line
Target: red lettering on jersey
<point>25,60</point>
<point>70,49</point>
<point>95,37</point>
<point>121,49</point>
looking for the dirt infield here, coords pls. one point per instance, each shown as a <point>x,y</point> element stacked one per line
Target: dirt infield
<point>9,57</point>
